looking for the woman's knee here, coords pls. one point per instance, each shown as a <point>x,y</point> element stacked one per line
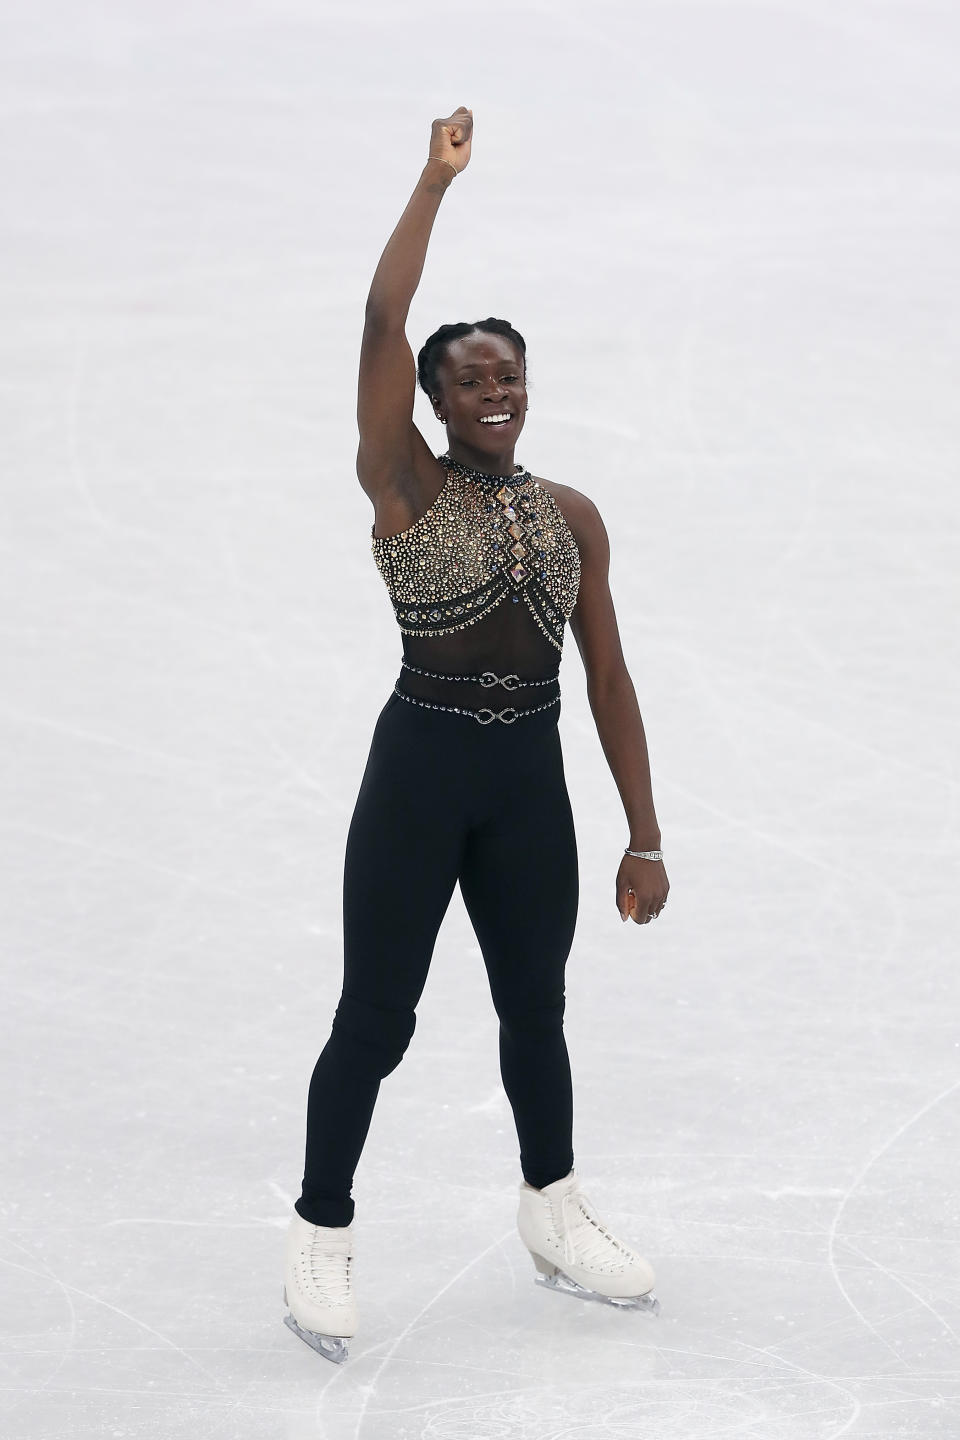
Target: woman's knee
<point>534,1020</point>
<point>377,1035</point>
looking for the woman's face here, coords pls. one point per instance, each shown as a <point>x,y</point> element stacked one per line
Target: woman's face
<point>482,375</point>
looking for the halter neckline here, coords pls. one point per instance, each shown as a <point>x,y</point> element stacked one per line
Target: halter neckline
<point>483,476</point>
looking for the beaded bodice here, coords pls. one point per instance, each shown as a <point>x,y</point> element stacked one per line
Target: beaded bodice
<point>476,547</point>
<point>488,576</point>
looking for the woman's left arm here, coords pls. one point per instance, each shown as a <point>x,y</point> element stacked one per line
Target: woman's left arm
<point>613,702</point>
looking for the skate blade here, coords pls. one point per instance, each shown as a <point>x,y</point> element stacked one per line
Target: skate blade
<point>332,1347</point>
<point>554,1279</point>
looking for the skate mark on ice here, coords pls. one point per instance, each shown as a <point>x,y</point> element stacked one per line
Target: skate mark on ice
<point>70,1290</point>
<point>851,1190</point>
<point>399,1339</point>
<point>49,1274</point>
<point>56,837</point>
<point>255,1222</point>
<point>873,1264</point>
<point>765,1353</point>
<point>761,701</point>
<point>97,737</point>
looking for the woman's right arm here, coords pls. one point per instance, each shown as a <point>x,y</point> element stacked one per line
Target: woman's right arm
<point>388,372</point>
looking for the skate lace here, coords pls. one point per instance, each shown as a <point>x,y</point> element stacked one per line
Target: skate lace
<point>586,1240</point>
<point>329,1271</point>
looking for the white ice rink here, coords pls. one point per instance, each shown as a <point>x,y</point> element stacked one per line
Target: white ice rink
<point>729,233</point>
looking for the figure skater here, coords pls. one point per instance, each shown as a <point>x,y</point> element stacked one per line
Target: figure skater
<point>484,564</point>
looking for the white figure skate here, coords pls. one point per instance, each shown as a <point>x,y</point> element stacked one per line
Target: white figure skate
<point>317,1288</point>
<point>574,1252</point>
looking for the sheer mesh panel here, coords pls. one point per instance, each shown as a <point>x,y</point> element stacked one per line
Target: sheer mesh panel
<point>505,641</point>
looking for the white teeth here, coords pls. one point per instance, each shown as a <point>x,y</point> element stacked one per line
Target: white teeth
<point>494,419</point>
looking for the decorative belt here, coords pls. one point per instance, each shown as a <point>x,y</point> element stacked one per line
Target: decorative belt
<point>483,716</point>
<point>487,679</point>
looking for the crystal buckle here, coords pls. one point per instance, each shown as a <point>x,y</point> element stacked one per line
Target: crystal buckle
<point>488,678</point>
<point>497,715</point>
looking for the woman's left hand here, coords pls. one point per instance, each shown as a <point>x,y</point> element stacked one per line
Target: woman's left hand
<point>642,887</point>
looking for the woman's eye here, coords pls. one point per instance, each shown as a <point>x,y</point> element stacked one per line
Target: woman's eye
<point>477,382</point>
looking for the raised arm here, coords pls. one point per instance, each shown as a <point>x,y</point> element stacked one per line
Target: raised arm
<point>388,372</point>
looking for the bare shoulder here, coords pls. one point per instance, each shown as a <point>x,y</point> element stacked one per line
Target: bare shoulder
<point>579,511</point>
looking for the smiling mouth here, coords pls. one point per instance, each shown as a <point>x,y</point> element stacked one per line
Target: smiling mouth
<point>496,423</point>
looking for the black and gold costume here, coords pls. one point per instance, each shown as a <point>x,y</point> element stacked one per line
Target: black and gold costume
<point>454,791</point>
<point>483,582</point>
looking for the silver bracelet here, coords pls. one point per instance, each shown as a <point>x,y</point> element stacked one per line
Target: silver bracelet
<point>644,854</point>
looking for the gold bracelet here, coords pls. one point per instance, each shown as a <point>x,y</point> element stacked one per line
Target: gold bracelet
<point>444,162</point>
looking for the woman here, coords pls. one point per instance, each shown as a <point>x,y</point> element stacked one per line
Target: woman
<point>484,564</point>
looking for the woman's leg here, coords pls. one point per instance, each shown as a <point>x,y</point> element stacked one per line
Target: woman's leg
<point>402,856</point>
<point>520,884</point>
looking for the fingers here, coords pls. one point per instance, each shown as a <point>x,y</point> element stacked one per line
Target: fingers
<point>461,131</point>
<point>642,912</point>
<point>630,907</point>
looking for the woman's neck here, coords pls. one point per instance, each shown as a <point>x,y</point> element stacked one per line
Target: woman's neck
<point>502,465</point>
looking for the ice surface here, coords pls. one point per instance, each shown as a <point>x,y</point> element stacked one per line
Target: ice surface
<point>729,235</point>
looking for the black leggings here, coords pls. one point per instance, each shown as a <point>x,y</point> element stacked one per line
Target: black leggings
<point>443,799</point>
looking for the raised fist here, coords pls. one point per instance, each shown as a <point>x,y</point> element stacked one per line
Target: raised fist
<point>450,138</point>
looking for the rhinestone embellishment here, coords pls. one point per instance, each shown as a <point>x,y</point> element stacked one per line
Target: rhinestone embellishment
<point>488,678</point>
<point>477,715</point>
<point>470,551</point>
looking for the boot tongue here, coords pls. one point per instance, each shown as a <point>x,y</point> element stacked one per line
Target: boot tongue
<point>561,1187</point>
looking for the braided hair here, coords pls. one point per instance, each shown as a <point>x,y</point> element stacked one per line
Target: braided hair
<point>435,346</point>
